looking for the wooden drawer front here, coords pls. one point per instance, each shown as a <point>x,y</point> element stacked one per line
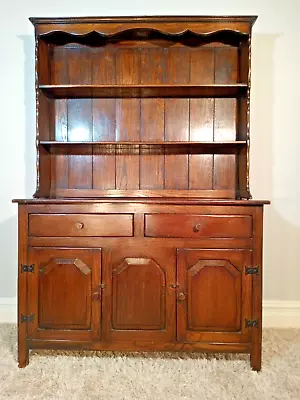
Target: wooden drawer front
<point>191,225</point>
<point>80,225</point>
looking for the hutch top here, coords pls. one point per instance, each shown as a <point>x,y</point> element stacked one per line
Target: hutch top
<point>152,107</point>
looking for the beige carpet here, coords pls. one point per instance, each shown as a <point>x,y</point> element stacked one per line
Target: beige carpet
<point>120,376</point>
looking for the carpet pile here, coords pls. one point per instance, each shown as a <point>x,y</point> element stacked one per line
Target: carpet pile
<point>158,376</point>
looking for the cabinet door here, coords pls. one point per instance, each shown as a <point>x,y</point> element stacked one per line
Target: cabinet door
<point>214,295</point>
<point>138,300</point>
<point>64,293</point>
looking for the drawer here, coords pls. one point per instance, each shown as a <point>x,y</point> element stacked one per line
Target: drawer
<point>81,225</point>
<point>192,226</point>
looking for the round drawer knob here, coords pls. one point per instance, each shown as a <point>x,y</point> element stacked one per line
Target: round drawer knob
<point>181,297</point>
<point>197,228</point>
<point>96,296</point>
<point>79,225</point>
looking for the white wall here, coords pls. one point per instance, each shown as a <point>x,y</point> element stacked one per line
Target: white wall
<point>275,130</point>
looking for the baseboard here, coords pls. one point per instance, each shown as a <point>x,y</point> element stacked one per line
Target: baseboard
<point>8,310</point>
<point>276,314</point>
<point>281,314</point>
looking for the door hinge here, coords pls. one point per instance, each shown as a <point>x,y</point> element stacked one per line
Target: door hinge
<point>252,270</point>
<point>251,323</point>
<point>27,318</point>
<point>27,268</point>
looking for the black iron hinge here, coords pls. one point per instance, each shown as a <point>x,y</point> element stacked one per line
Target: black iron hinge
<point>27,268</point>
<point>252,270</point>
<point>27,318</point>
<point>251,323</point>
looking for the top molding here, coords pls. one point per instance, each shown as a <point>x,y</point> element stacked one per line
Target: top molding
<point>250,19</point>
<point>171,25</point>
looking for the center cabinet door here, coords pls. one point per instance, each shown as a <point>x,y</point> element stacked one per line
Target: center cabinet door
<point>64,293</point>
<point>139,296</point>
<point>214,296</point>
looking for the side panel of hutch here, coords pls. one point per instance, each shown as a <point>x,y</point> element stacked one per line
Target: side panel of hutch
<point>142,234</point>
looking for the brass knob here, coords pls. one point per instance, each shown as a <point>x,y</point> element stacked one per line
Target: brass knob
<point>181,297</point>
<point>79,225</point>
<point>197,228</point>
<point>96,296</point>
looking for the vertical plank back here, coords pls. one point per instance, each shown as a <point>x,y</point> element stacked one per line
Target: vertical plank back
<point>177,117</point>
<point>104,119</point>
<point>226,64</point>
<point>80,121</point>
<point>127,119</point>
<point>201,119</point>
<point>152,119</point>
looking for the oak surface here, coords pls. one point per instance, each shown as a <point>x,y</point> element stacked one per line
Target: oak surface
<point>142,234</point>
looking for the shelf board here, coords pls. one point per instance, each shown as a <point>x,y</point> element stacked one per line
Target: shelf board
<point>143,91</point>
<point>142,147</point>
<point>48,143</point>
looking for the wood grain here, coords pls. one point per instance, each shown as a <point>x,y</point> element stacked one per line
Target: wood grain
<point>152,120</point>
<point>80,120</point>
<point>60,162</point>
<point>201,119</point>
<point>177,118</point>
<point>189,225</point>
<point>104,120</point>
<point>127,119</point>
<point>80,225</point>
<point>209,277</point>
<point>57,273</point>
<point>225,166</point>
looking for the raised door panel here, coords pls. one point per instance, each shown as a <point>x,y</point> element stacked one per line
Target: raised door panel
<point>137,284</point>
<point>214,295</point>
<point>64,293</point>
<point>138,302</point>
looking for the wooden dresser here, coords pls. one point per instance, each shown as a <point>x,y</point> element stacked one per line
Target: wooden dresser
<point>142,234</point>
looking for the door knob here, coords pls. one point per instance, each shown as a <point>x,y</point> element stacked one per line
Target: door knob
<point>96,296</point>
<point>79,225</point>
<point>181,297</point>
<point>197,228</point>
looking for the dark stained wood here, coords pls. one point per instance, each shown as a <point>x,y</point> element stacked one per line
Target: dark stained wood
<point>60,162</point>
<point>104,120</point>
<point>201,119</point>
<point>216,279</point>
<point>138,301</point>
<point>138,236</point>
<point>176,118</point>
<point>80,225</point>
<point>225,118</point>
<point>256,345</point>
<point>140,346</point>
<point>221,194</point>
<point>189,225</point>
<point>212,146</point>
<point>136,284</point>
<point>46,203</point>
<point>80,121</point>
<point>136,91</point>
<point>127,119</point>
<point>23,350</point>
<point>61,295</point>
<point>152,120</point>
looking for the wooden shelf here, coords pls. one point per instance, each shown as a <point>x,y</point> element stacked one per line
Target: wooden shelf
<point>140,91</point>
<point>159,147</point>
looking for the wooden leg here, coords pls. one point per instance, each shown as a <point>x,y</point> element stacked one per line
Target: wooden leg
<point>23,351</point>
<point>255,356</point>
<point>256,342</point>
